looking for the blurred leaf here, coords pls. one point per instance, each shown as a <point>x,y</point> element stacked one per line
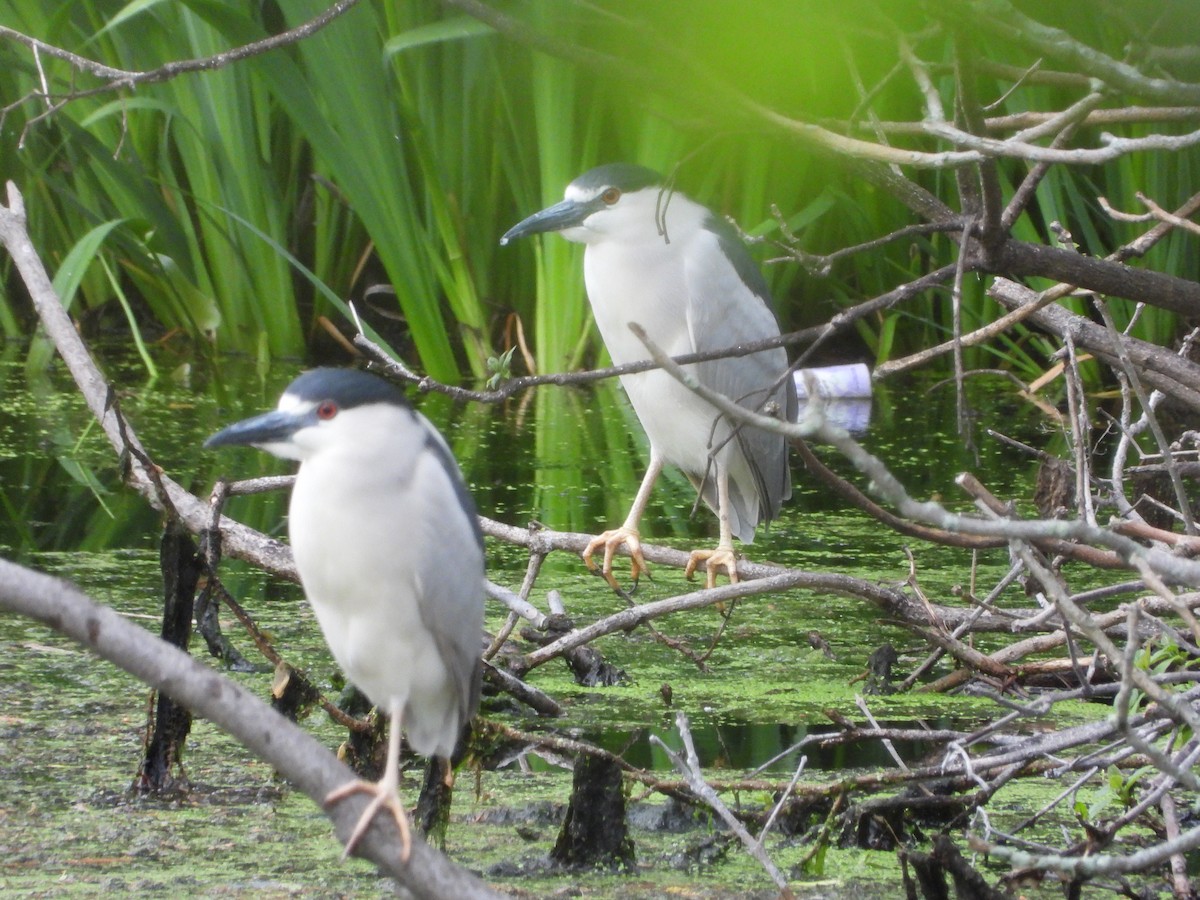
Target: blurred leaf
<point>453,29</point>
<point>66,281</point>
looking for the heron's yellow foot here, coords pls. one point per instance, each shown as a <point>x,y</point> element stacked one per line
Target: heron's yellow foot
<point>611,541</point>
<point>714,561</point>
<point>384,796</point>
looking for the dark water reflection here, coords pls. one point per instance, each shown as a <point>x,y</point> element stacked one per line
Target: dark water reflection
<point>570,458</point>
<point>769,748</point>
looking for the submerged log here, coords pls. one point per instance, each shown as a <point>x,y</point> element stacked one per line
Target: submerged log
<point>931,870</point>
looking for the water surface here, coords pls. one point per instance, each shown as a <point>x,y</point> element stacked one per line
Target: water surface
<point>571,459</point>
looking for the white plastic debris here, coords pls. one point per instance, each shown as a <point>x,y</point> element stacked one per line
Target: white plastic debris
<point>844,392</point>
<point>833,382</point>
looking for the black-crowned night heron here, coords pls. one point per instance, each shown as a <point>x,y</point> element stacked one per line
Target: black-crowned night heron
<point>390,555</point>
<point>659,259</point>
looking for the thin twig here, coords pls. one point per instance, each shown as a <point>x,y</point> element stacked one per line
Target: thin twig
<point>688,765</point>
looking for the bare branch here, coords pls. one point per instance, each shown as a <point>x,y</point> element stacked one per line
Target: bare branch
<point>123,78</point>
<point>886,485</point>
<point>155,486</point>
<point>1001,17</point>
<point>688,765</point>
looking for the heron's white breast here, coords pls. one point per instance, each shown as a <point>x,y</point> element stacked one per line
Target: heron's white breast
<point>359,524</point>
<point>645,284</point>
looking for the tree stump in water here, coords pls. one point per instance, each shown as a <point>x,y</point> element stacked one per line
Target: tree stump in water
<point>594,832</point>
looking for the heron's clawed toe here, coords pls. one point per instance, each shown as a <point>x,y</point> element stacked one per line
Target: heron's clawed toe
<point>714,561</point>
<point>611,541</point>
<point>384,796</point>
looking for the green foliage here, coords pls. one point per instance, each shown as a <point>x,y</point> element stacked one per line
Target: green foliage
<point>1157,657</point>
<point>814,863</point>
<point>499,368</point>
<point>392,148</point>
<point>1116,792</point>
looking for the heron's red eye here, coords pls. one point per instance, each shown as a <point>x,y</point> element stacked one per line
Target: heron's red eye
<point>327,410</point>
<point>610,196</point>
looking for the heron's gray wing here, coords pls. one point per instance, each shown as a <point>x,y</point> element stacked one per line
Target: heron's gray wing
<point>728,304</point>
<point>452,572</point>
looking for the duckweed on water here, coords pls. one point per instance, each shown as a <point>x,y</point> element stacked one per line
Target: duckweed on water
<point>68,755</point>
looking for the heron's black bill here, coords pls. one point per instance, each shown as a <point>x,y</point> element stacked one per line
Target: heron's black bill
<point>273,427</point>
<point>566,214</point>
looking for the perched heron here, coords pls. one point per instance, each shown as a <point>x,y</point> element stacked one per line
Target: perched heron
<point>390,555</point>
<point>659,259</point>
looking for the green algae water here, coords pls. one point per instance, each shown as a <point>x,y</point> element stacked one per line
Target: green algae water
<point>72,727</point>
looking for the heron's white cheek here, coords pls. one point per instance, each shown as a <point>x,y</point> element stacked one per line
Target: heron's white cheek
<point>580,234</point>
